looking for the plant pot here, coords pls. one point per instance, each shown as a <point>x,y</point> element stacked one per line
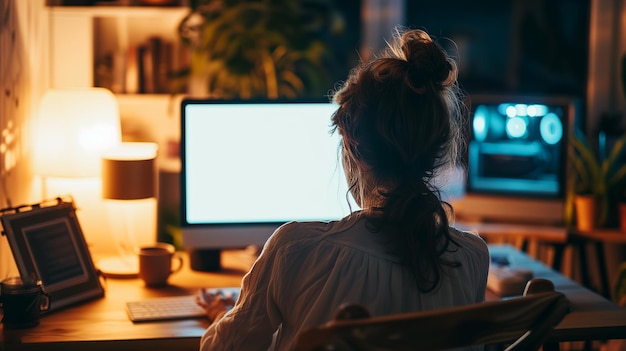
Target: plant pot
<point>586,218</point>
<point>622,216</point>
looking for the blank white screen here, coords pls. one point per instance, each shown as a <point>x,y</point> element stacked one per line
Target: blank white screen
<point>262,162</point>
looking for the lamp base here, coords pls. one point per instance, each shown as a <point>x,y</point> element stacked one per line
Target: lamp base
<point>119,267</point>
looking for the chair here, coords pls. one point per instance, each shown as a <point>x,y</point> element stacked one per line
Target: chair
<point>520,323</point>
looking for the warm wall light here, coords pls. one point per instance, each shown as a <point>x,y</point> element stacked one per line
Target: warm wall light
<point>73,128</point>
<point>129,187</point>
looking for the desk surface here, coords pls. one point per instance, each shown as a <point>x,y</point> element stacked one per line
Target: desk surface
<point>592,316</point>
<point>544,233</point>
<point>102,324</point>
<point>613,236</point>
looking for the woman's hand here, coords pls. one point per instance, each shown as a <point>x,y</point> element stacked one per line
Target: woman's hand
<point>215,304</point>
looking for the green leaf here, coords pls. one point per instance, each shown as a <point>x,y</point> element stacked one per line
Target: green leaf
<point>587,170</point>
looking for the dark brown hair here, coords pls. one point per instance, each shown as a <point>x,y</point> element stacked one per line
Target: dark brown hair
<point>399,117</point>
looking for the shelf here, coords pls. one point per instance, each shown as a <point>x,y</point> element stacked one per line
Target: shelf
<point>116,47</point>
<point>120,11</point>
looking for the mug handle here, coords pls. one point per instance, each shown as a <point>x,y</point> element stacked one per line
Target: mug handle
<point>44,302</point>
<point>179,266</point>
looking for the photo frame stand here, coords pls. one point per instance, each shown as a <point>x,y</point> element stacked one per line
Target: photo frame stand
<point>49,248</point>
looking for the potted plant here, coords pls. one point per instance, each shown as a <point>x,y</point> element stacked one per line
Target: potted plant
<point>260,49</point>
<point>596,184</point>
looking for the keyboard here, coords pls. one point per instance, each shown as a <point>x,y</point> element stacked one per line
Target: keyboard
<point>170,307</point>
<point>164,308</point>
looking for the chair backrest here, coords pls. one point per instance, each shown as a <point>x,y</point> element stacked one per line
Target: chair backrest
<point>520,323</point>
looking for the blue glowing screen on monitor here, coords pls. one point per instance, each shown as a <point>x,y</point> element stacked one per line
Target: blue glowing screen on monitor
<point>518,147</point>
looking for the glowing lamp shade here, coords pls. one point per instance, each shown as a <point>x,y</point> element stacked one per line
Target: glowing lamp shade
<point>128,172</point>
<point>129,189</point>
<point>75,127</point>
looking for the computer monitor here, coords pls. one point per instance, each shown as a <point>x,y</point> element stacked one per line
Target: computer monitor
<point>517,158</point>
<point>249,166</point>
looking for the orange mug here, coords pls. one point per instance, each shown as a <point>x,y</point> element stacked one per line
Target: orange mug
<point>156,263</point>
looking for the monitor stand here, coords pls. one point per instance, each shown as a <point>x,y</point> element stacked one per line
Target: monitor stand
<point>205,260</point>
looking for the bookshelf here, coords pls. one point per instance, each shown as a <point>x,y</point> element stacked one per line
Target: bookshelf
<point>101,45</point>
<point>82,37</point>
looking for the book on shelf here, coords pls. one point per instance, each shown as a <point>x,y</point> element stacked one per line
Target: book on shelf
<point>145,68</point>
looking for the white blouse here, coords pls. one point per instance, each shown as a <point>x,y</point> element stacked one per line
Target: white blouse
<point>308,269</point>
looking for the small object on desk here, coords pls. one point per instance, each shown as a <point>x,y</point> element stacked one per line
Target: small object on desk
<point>155,263</point>
<point>499,260</point>
<point>506,281</point>
<point>22,303</point>
<point>119,267</point>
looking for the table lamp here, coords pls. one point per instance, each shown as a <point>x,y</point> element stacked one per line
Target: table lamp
<point>73,128</point>
<point>129,190</point>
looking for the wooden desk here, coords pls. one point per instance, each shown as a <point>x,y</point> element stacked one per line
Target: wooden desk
<point>103,324</point>
<point>524,232</point>
<point>592,317</point>
<point>558,238</point>
<point>597,239</point>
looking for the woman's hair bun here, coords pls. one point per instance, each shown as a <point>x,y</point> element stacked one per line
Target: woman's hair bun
<point>427,62</point>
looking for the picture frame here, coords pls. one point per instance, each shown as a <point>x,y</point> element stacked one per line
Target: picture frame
<point>49,248</point>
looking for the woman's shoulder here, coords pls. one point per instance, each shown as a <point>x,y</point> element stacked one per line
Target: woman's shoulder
<point>471,237</point>
<point>300,235</point>
<point>297,234</point>
<point>471,241</point>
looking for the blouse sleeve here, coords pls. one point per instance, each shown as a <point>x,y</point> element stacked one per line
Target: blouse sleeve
<point>482,286</point>
<point>250,325</point>
<point>482,261</point>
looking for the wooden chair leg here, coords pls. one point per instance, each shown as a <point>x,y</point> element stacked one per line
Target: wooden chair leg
<point>557,259</point>
<point>605,288</point>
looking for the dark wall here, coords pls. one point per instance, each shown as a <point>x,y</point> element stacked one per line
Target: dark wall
<point>521,46</point>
